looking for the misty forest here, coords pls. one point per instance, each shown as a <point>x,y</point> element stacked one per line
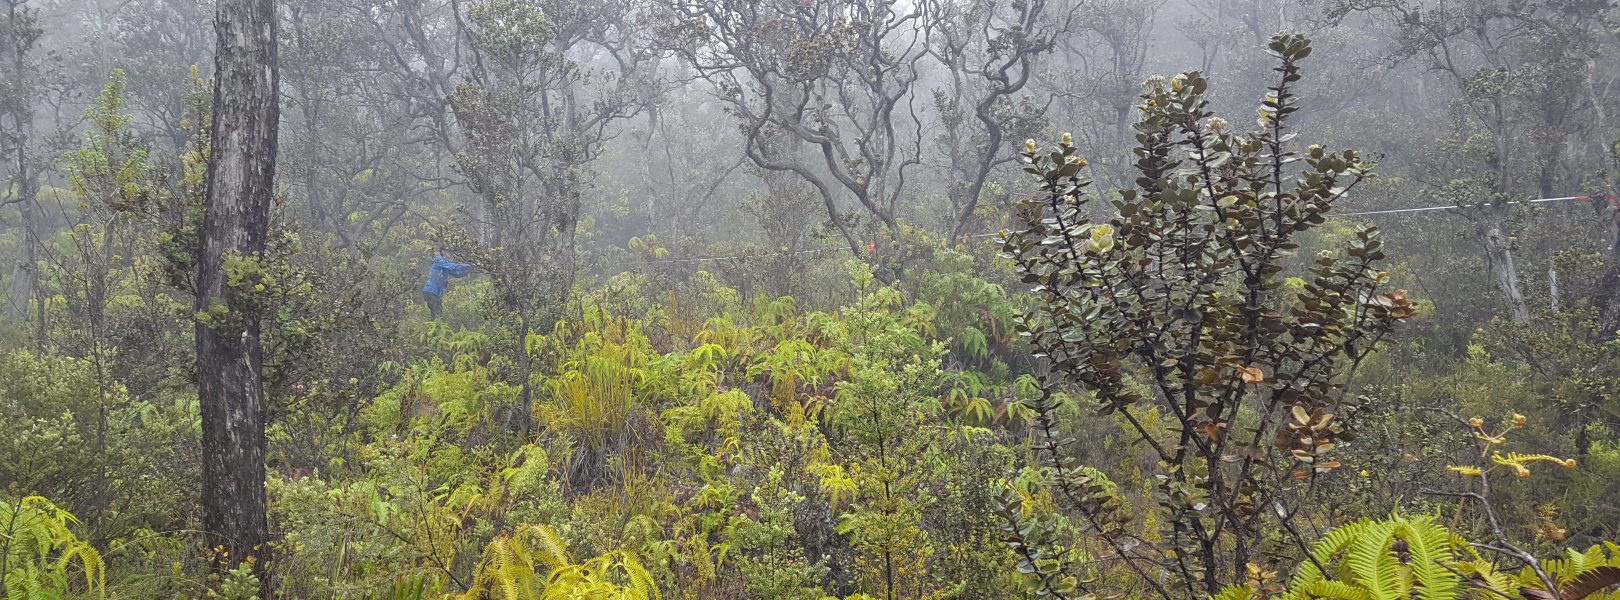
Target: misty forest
<point>810,299</point>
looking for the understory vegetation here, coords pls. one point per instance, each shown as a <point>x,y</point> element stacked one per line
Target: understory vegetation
<point>773,300</point>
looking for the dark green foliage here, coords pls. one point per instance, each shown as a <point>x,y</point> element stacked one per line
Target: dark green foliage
<point>1174,308</point>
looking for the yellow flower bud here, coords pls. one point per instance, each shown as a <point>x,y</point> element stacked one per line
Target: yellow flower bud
<point>1102,239</point>
<point>1476,422</point>
<point>1029,146</point>
<point>1068,139</point>
<point>1519,419</point>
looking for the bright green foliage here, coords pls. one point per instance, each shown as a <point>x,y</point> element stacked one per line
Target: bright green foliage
<point>848,400</point>
<point>464,394</point>
<point>110,173</point>
<point>1578,575</point>
<point>238,583</point>
<point>1398,558</point>
<point>721,413</point>
<point>533,563</point>
<point>779,454</point>
<point>124,476</point>
<point>1402,558</point>
<point>111,180</point>
<point>594,393</point>
<point>40,557</point>
<point>42,398</point>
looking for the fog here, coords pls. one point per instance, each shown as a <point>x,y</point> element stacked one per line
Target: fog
<point>801,298</point>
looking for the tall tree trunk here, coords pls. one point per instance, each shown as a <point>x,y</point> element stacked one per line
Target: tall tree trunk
<point>33,287</point>
<point>1607,295</point>
<point>21,33</point>
<point>1552,289</point>
<point>26,285</point>
<point>1499,256</point>
<point>241,175</point>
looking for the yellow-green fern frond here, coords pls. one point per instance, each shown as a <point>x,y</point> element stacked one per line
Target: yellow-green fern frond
<point>42,549</point>
<point>549,546</point>
<point>1372,564</point>
<point>1414,558</point>
<point>534,564</point>
<point>1485,574</point>
<point>1519,462</point>
<point>1398,558</point>
<point>1235,592</point>
<point>1579,575</point>
<point>640,584</point>
<point>1430,550</point>
<point>1335,590</point>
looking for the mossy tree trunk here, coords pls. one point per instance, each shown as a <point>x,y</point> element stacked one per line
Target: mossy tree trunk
<point>241,174</point>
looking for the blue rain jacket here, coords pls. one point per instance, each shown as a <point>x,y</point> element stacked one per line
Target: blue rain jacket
<point>441,272</point>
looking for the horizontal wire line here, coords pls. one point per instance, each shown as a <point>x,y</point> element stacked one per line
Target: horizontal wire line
<point>1453,207</point>
<point>742,256</point>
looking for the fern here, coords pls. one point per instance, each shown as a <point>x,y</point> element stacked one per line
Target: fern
<point>1235,592</point>
<point>974,342</point>
<point>534,563</point>
<point>1484,574</point>
<point>40,551</point>
<point>1519,462</point>
<point>640,585</point>
<point>1578,575</point>
<point>1431,552</point>
<point>1399,558</point>
<point>552,550</point>
<point>1339,590</point>
<point>1372,564</point>
<point>415,587</point>
<point>1414,558</point>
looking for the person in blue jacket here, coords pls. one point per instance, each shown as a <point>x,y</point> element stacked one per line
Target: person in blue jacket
<point>439,275</point>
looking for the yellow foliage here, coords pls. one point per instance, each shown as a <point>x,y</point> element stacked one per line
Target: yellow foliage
<point>40,549</point>
<point>533,563</point>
